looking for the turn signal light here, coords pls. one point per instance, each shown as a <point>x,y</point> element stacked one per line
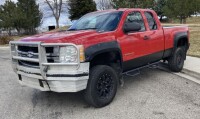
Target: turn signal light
<point>82,53</point>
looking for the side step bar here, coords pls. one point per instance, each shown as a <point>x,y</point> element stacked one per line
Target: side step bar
<point>135,72</point>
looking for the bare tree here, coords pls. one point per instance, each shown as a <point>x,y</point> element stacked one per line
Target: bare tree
<point>104,4</point>
<point>56,8</point>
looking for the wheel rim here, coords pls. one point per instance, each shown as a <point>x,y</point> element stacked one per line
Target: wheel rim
<point>179,59</point>
<point>105,85</point>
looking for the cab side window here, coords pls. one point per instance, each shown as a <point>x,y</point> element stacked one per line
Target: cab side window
<point>151,20</point>
<point>136,17</point>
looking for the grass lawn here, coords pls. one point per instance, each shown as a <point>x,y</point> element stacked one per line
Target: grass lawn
<point>18,37</point>
<point>194,41</point>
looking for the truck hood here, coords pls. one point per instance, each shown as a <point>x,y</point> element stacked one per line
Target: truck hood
<point>75,37</point>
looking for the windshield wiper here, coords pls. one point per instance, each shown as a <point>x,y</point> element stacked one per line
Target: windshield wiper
<point>72,29</point>
<point>88,29</point>
<point>82,29</point>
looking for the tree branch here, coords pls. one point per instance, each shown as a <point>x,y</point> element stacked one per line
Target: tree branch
<point>51,8</point>
<point>60,7</point>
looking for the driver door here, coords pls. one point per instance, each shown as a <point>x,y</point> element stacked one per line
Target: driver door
<point>134,46</point>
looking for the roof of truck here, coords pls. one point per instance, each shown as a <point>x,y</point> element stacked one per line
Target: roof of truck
<point>123,10</point>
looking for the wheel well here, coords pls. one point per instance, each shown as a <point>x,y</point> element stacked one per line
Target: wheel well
<point>112,59</point>
<point>183,42</point>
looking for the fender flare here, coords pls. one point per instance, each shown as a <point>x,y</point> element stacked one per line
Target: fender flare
<point>100,48</point>
<point>179,36</point>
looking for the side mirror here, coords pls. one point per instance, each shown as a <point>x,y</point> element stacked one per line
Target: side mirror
<point>132,27</point>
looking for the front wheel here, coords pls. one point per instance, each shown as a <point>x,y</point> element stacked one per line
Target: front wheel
<point>176,61</point>
<point>102,86</point>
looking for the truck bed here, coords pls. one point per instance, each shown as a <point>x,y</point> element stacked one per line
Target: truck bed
<point>170,33</point>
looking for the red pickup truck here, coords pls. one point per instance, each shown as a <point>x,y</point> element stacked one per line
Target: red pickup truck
<point>95,52</point>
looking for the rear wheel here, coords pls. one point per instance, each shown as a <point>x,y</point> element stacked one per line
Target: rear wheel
<point>102,86</point>
<point>176,61</point>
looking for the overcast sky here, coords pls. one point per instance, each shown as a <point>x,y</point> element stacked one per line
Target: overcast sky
<point>48,19</point>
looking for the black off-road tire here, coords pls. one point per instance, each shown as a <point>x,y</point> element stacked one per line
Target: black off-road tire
<point>101,87</point>
<point>176,61</point>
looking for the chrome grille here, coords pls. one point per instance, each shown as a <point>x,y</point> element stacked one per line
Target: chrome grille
<point>28,54</point>
<point>32,55</point>
<point>32,52</point>
<point>29,64</point>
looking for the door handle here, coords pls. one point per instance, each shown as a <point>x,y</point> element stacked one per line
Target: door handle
<point>147,38</point>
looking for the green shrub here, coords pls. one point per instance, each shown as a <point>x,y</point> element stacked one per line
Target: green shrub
<point>5,40</point>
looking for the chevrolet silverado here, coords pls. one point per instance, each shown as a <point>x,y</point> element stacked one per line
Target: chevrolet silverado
<point>94,53</point>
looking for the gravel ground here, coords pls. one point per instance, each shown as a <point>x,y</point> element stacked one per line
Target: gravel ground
<point>154,94</point>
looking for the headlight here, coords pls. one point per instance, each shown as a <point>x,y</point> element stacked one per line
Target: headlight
<point>68,54</point>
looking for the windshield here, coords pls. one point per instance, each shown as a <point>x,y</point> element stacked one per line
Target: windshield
<point>102,21</point>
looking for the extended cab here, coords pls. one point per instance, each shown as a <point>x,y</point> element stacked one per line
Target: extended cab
<point>95,52</point>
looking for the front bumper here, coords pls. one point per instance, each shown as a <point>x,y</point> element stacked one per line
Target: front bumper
<point>56,77</point>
